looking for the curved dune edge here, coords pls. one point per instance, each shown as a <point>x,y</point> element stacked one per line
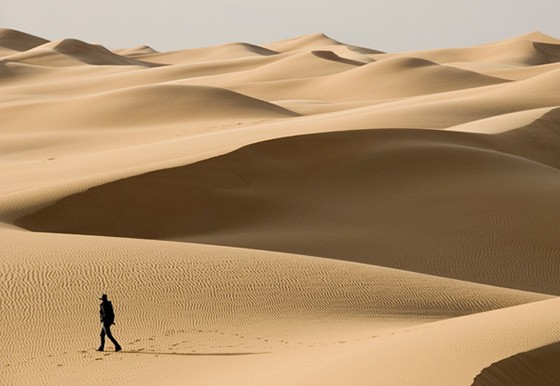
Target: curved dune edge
<point>503,123</point>
<point>449,352</point>
<point>439,202</point>
<point>527,50</point>
<point>535,367</point>
<point>143,106</point>
<point>179,299</point>
<point>18,40</point>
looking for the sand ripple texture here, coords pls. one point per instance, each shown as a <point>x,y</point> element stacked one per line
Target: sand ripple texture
<point>440,202</point>
<point>375,192</point>
<point>189,298</point>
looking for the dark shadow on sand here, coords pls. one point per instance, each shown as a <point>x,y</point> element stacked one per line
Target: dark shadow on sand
<point>194,353</point>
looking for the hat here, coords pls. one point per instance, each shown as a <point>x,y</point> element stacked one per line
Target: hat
<point>103,297</point>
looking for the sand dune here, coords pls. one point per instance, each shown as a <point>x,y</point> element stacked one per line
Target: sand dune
<point>383,189</point>
<point>388,79</point>
<point>69,52</point>
<point>503,123</point>
<point>136,51</point>
<point>303,42</point>
<point>403,77</point>
<point>226,51</point>
<point>214,300</point>
<point>400,211</point>
<point>442,353</point>
<point>528,50</point>
<point>284,70</point>
<point>19,41</point>
<point>143,106</point>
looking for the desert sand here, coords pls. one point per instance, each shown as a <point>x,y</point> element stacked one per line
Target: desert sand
<point>305,212</point>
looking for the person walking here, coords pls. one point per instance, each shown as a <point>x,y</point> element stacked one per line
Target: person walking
<point>107,316</point>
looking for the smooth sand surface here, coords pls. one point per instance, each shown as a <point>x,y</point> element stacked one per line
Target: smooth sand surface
<point>301,212</point>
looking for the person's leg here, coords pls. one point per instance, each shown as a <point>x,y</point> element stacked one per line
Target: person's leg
<point>107,329</point>
<point>102,334</point>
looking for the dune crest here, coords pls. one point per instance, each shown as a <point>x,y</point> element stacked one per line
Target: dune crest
<point>303,42</point>
<point>147,105</point>
<point>19,41</point>
<point>527,50</point>
<point>136,51</point>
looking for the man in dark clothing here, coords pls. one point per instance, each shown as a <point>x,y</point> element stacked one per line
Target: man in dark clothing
<point>107,317</point>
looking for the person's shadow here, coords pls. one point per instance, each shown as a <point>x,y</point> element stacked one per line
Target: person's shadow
<point>191,354</point>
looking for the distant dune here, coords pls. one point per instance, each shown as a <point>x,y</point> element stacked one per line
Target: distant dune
<point>294,213</point>
<point>19,41</point>
<point>69,52</point>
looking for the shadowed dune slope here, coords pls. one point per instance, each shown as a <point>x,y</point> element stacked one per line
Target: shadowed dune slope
<point>286,68</point>
<point>19,41</point>
<point>538,367</point>
<point>445,203</point>
<point>225,51</point>
<point>73,52</point>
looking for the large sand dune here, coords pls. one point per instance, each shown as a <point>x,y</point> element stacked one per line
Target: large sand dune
<point>301,212</point>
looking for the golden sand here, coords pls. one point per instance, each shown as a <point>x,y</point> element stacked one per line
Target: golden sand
<point>304,212</point>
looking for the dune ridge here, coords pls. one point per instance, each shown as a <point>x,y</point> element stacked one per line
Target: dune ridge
<point>300,212</point>
<point>18,40</point>
<point>145,106</point>
<point>72,52</point>
<point>258,189</point>
<point>530,49</point>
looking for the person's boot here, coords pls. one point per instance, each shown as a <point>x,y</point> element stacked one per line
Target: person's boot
<point>100,348</point>
<point>118,348</point>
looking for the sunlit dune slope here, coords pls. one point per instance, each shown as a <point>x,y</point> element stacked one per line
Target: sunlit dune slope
<point>449,352</point>
<point>136,51</point>
<point>314,42</point>
<point>141,106</point>
<point>188,299</point>
<point>527,50</point>
<point>401,77</point>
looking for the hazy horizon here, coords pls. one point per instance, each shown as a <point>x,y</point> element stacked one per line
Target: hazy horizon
<point>398,26</point>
